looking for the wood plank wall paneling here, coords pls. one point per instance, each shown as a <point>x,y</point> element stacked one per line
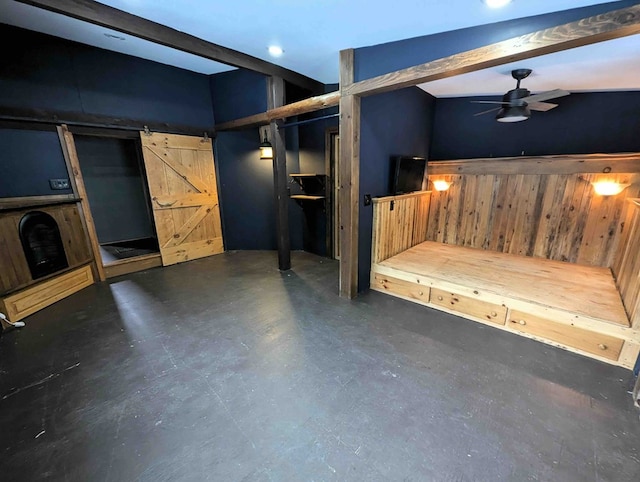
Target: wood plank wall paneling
<point>626,266</point>
<point>553,216</point>
<point>401,227</point>
<point>15,272</point>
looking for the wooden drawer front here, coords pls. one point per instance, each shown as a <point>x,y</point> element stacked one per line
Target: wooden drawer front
<point>602,345</point>
<point>30,300</point>
<point>402,288</point>
<point>469,306</point>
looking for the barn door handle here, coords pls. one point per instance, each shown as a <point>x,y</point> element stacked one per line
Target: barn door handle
<point>164,205</point>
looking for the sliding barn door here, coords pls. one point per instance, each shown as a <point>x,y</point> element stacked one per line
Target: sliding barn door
<point>184,195</point>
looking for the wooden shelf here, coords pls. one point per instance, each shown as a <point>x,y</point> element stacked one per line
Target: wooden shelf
<point>17,204</point>
<point>306,197</point>
<point>305,175</point>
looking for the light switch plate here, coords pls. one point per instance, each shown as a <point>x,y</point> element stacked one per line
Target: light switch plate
<point>57,184</point>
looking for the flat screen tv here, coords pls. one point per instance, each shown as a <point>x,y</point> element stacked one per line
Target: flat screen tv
<point>407,173</point>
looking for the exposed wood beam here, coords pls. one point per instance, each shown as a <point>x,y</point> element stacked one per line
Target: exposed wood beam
<point>112,18</point>
<point>349,166</point>
<point>275,98</point>
<point>95,120</point>
<point>606,26</point>
<point>305,106</point>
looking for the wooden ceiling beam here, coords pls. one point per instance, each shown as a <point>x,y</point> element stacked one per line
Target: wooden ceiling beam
<point>112,18</point>
<point>587,31</point>
<point>305,106</point>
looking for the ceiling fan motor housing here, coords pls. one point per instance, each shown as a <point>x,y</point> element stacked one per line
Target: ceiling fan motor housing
<point>513,97</point>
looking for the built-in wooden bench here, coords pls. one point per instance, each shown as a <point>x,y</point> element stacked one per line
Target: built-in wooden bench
<point>484,257</point>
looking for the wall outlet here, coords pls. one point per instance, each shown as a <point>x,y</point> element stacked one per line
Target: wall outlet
<point>59,184</point>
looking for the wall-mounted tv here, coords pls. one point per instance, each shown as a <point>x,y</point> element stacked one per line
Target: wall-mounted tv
<point>407,174</point>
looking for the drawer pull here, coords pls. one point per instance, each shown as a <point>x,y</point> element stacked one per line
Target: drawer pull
<point>602,346</point>
<point>494,314</point>
<point>440,298</point>
<point>522,322</point>
<point>420,293</point>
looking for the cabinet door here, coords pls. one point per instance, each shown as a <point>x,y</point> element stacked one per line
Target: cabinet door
<point>182,185</point>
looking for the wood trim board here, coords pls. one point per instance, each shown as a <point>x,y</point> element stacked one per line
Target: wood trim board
<point>77,183</point>
<point>133,265</point>
<point>558,164</point>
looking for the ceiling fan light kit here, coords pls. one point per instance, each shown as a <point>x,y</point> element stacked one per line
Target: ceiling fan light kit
<point>518,103</point>
<point>516,113</point>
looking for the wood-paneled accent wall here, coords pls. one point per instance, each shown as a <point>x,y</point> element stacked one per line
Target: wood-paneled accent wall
<point>554,214</point>
<point>626,265</point>
<point>399,222</point>
<point>15,272</point>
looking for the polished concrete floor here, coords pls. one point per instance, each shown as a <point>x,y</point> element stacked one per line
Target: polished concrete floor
<point>226,369</point>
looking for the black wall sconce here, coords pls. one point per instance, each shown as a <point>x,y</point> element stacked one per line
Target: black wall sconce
<point>266,149</point>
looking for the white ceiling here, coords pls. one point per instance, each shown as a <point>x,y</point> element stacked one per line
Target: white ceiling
<point>312,32</point>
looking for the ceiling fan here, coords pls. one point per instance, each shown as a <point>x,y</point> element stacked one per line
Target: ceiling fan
<point>518,103</point>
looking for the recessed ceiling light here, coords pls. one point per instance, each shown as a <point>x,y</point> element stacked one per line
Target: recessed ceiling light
<point>275,50</point>
<point>496,3</point>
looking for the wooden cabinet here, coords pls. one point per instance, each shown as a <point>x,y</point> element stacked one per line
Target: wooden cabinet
<point>572,336</point>
<point>15,273</point>
<point>469,306</point>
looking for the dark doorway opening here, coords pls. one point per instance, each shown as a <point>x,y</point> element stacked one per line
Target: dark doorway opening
<point>117,191</point>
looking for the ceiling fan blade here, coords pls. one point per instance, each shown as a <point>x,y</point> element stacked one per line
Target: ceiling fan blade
<point>488,102</point>
<point>542,106</point>
<point>487,111</point>
<point>551,94</point>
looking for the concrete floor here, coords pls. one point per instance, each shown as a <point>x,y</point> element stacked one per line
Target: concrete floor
<point>226,369</point>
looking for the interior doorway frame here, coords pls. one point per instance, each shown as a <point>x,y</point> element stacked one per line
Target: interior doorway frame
<point>121,266</point>
<point>332,191</point>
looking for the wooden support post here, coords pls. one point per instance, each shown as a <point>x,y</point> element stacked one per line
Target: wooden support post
<point>275,96</point>
<point>349,166</point>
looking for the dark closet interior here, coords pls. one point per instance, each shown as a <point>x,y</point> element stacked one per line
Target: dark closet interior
<point>117,191</point>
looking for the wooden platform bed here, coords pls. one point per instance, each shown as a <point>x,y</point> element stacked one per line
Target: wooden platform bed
<point>575,307</point>
<point>580,308</point>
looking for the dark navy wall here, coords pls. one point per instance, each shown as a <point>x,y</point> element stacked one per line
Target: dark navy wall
<point>581,124</point>
<point>396,123</point>
<point>28,159</point>
<point>44,72</point>
<point>389,57</point>
<point>246,181</point>
<point>238,93</point>
<point>246,192</point>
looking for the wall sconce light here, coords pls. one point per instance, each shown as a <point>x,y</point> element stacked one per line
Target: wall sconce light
<point>266,149</point>
<point>609,188</point>
<point>441,185</point>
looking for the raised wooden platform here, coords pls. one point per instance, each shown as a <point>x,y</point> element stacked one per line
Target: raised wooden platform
<point>575,307</point>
